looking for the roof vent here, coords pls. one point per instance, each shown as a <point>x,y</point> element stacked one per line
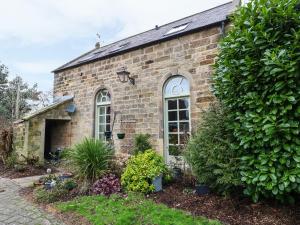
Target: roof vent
<point>156,27</point>
<point>97,45</point>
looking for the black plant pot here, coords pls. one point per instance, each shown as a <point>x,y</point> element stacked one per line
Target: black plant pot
<point>121,135</point>
<point>202,189</point>
<point>177,173</point>
<point>107,134</point>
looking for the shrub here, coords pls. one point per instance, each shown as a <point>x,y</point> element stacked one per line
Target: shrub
<point>107,185</point>
<point>118,164</point>
<point>141,170</point>
<point>42,195</point>
<point>141,143</point>
<point>213,160</point>
<point>70,184</point>
<point>90,158</point>
<point>11,160</point>
<point>257,78</point>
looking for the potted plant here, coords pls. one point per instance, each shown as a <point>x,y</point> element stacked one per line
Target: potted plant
<point>120,135</point>
<point>202,189</point>
<point>157,183</point>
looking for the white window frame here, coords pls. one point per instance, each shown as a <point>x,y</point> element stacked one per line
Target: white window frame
<point>105,105</point>
<point>184,95</point>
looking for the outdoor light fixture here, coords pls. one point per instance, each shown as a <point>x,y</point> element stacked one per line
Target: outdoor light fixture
<point>124,77</point>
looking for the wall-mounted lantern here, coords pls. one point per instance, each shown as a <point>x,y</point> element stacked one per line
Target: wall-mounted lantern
<point>124,77</point>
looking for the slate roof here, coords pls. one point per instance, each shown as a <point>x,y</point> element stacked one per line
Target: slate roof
<point>56,102</point>
<point>195,22</point>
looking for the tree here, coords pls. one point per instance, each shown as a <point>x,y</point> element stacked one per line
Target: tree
<point>16,96</point>
<point>258,79</point>
<point>3,84</point>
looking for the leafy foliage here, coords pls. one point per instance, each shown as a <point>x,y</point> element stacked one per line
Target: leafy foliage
<point>141,170</point>
<point>90,158</point>
<point>258,78</point>
<point>141,143</point>
<point>210,154</point>
<point>107,185</point>
<point>42,195</point>
<point>134,209</point>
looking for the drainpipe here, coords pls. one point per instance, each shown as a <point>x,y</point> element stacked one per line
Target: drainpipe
<point>223,28</point>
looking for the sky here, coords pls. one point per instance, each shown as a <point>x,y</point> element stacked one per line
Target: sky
<point>37,36</point>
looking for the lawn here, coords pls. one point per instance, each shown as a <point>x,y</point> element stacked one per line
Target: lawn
<point>134,209</point>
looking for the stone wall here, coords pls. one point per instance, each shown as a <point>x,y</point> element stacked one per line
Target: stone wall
<point>140,106</point>
<point>29,134</point>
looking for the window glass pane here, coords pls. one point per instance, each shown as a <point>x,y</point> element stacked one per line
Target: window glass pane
<point>173,127</point>
<point>184,115</point>
<point>183,103</point>
<point>102,110</point>
<point>107,119</point>
<point>103,97</point>
<point>177,86</point>
<point>174,150</point>
<point>183,138</point>
<point>101,128</point>
<point>108,110</point>
<point>173,139</point>
<point>172,116</point>
<point>101,136</point>
<point>101,119</point>
<point>172,104</point>
<point>107,127</point>
<point>184,127</point>
<point>108,96</point>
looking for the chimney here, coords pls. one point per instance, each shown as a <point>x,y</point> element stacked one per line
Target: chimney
<point>97,45</point>
<point>156,27</point>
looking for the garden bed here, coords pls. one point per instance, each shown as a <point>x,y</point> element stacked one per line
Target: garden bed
<point>26,171</point>
<point>234,211</point>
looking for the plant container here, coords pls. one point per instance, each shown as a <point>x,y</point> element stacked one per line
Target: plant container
<point>121,135</point>
<point>177,173</point>
<point>202,189</point>
<point>157,182</point>
<point>107,134</point>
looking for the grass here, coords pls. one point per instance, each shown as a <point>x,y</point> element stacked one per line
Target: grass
<point>134,209</point>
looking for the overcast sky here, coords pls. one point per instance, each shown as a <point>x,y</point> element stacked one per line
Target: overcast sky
<point>37,36</point>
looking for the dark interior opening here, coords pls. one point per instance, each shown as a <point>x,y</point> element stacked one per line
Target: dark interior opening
<point>56,137</point>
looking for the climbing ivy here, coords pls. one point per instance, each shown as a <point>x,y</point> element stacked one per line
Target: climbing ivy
<point>258,78</point>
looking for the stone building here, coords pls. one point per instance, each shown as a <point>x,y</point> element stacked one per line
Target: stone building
<point>156,82</point>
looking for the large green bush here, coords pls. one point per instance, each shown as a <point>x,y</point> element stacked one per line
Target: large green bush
<point>90,159</point>
<point>258,78</point>
<point>141,143</point>
<point>209,152</point>
<point>141,169</point>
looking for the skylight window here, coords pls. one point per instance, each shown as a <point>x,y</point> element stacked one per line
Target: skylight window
<point>177,28</point>
<point>119,47</point>
<point>85,58</point>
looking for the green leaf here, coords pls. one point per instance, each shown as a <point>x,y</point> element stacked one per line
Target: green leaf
<point>263,177</point>
<point>292,178</point>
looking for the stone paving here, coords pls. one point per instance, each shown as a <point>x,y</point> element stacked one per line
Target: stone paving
<point>14,210</point>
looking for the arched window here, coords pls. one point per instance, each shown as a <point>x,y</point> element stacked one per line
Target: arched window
<point>102,115</point>
<point>176,115</point>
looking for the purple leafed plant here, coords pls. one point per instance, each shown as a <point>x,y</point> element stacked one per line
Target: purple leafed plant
<point>107,185</point>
